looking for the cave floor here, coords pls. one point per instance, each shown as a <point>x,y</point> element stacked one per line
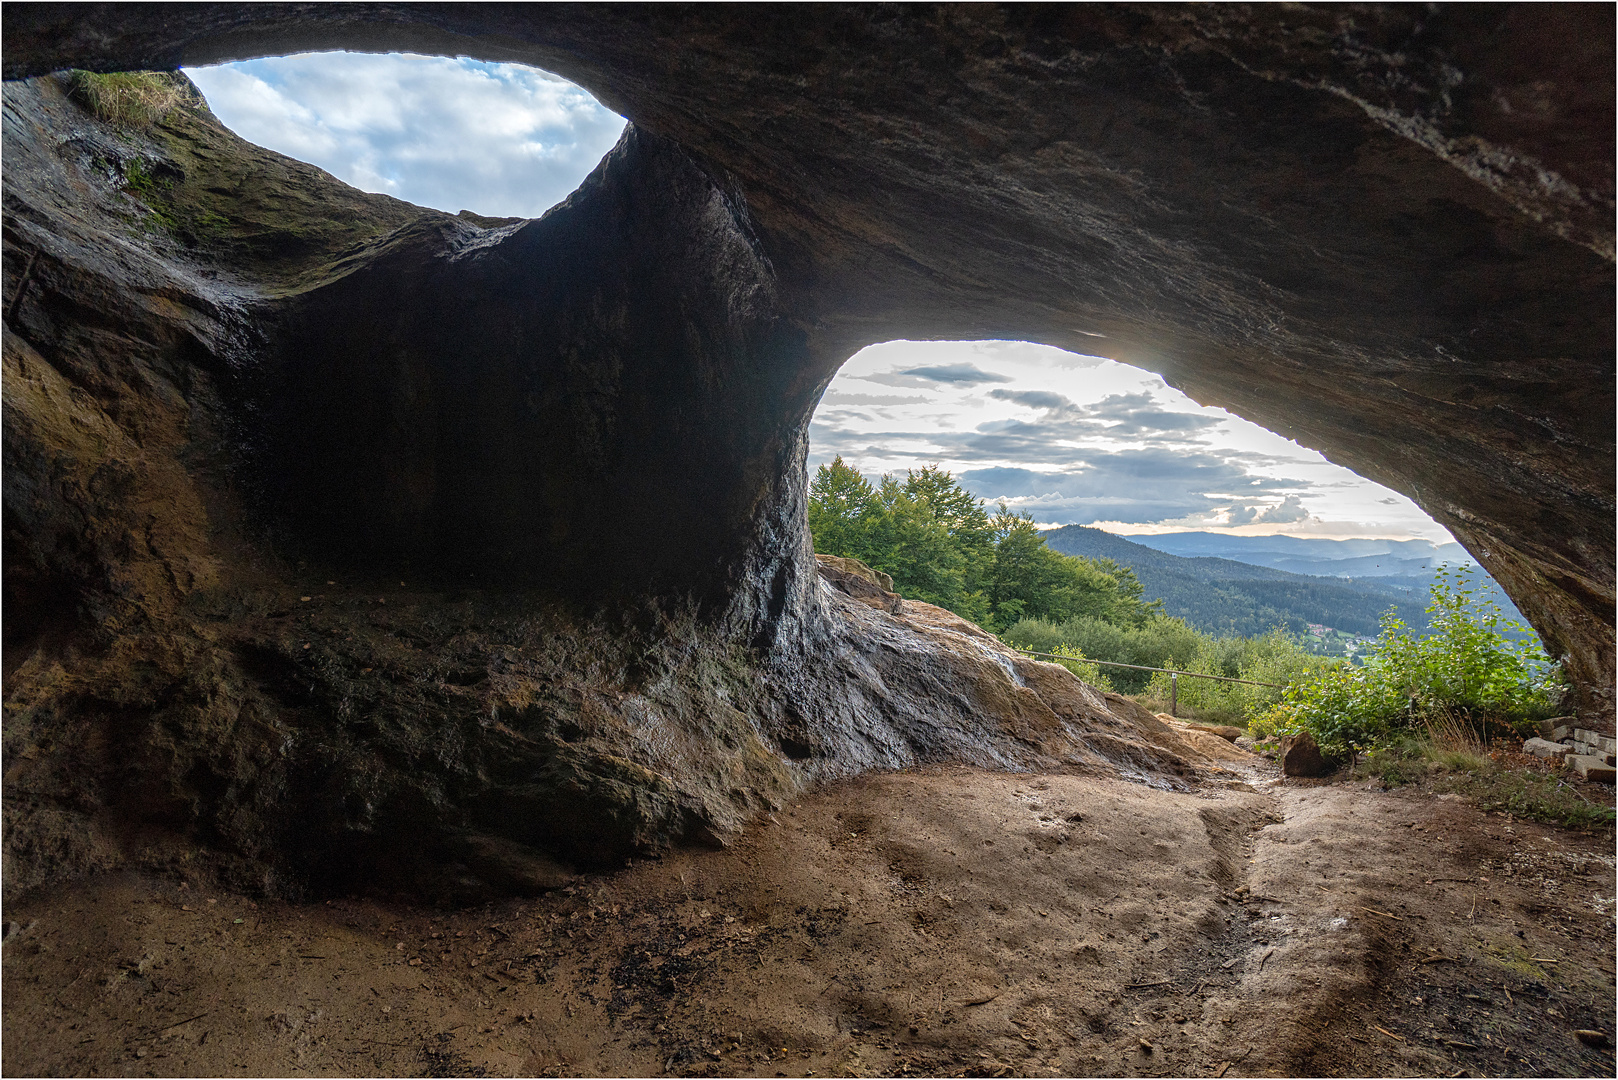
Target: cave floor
<point>940,921</point>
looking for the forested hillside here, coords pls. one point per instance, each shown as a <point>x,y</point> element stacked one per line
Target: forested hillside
<point>1223,597</point>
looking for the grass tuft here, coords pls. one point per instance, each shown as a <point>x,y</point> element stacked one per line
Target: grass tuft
<point>131,99</point>
<point>1537,794</point>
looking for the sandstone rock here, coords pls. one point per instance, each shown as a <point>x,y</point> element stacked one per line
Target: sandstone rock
<point>1224,731</point>
<point>1546,749</point>
<point>249,367</point>
<point>513,866</point>
<point>1591,768</point>
<point>1246,742</point>
<point>1282,107</point>
<point>1301,756</point>
<point>440,738</point>
<point>859,581</point>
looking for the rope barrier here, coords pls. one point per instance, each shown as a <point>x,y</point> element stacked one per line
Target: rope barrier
<point>1140,667</point>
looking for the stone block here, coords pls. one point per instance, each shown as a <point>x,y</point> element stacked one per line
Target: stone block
<point>1604,744</point>
<point>1591,768</point>
<point>1558,733</point>
<point>1546,749</point>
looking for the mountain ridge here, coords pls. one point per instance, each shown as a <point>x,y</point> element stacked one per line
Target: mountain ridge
<point>1225,596</point>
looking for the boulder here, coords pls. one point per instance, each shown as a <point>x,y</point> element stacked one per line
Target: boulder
<point>1301,756</point>
<point>1224,731</point>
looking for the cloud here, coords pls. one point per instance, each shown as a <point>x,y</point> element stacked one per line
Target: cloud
<point>1034,399</point>
<point>835,398</point>
<point>498,139</point>
<point>1144,485</point>
<point>948,374</point>
<point>1289,510</point>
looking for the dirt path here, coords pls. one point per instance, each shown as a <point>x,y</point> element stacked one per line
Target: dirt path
<point>940,921</point>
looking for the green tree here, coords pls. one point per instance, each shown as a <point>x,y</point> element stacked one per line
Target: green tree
<point>1030,581</point>
<point>941,546</point>
<point>844,512</point>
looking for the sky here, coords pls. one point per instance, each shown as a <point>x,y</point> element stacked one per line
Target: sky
<point>1081,440</point>
<point>1069,439</point>
<point>497,139</point>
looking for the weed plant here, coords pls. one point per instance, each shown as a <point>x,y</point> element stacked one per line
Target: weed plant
<point>1536,794</point>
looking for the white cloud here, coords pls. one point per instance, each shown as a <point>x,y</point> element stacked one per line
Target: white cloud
<point>497,139</point>
<point>1085,440</point>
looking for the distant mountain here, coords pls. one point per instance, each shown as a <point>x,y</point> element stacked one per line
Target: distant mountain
<point>1226,596</point>
<point>1222,596</point>
<point>1359,558</point>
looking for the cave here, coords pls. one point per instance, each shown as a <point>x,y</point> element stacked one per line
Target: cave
<point>356,551</point>
<point>347,537</point>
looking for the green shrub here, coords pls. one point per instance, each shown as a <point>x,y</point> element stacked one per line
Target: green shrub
<point>129,98</point>
<point>1464,671</point>
<point>1152,644</point>
<point>1075,661</point>
<point>1277,659</point>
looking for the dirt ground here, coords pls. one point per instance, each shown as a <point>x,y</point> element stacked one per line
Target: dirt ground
<point>941,921</point>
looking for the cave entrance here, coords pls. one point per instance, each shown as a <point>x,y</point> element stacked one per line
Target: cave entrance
<point>1109,461</point>
<point>454,134</point>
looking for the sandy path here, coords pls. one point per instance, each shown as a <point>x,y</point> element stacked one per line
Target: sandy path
<point>941,921</point>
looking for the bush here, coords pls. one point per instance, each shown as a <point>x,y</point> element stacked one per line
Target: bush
<point>1277,659</point>
<point>1158,640</point>
<point>129,98</point>
<point>1464,672</point>
<point>1075,661</point>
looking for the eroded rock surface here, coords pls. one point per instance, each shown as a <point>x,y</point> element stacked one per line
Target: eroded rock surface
<point>257,615</point>
<point>1382,230</point>
<point>542,482</point>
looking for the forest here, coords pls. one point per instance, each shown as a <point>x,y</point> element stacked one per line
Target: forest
<point>943,546</point>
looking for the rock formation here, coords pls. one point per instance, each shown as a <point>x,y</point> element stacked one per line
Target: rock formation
<point>542,482</point>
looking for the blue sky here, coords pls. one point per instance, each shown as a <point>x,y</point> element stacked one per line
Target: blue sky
<point>1070,439</point>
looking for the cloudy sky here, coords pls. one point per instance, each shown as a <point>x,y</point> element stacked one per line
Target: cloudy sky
<point>1082,440</point>
<point>1070,439</point>
<point>497,139</point>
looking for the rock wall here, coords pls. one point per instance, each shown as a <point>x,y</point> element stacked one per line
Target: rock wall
<point>542,482</point>
<point>1384,231</point>
<point>326,527</point>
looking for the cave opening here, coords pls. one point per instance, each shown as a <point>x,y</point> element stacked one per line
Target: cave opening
<point>943,856</point>
<point>496,140</point>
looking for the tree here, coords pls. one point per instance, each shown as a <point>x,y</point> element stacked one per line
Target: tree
<point>843,512</point>
<point>941,546</point>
